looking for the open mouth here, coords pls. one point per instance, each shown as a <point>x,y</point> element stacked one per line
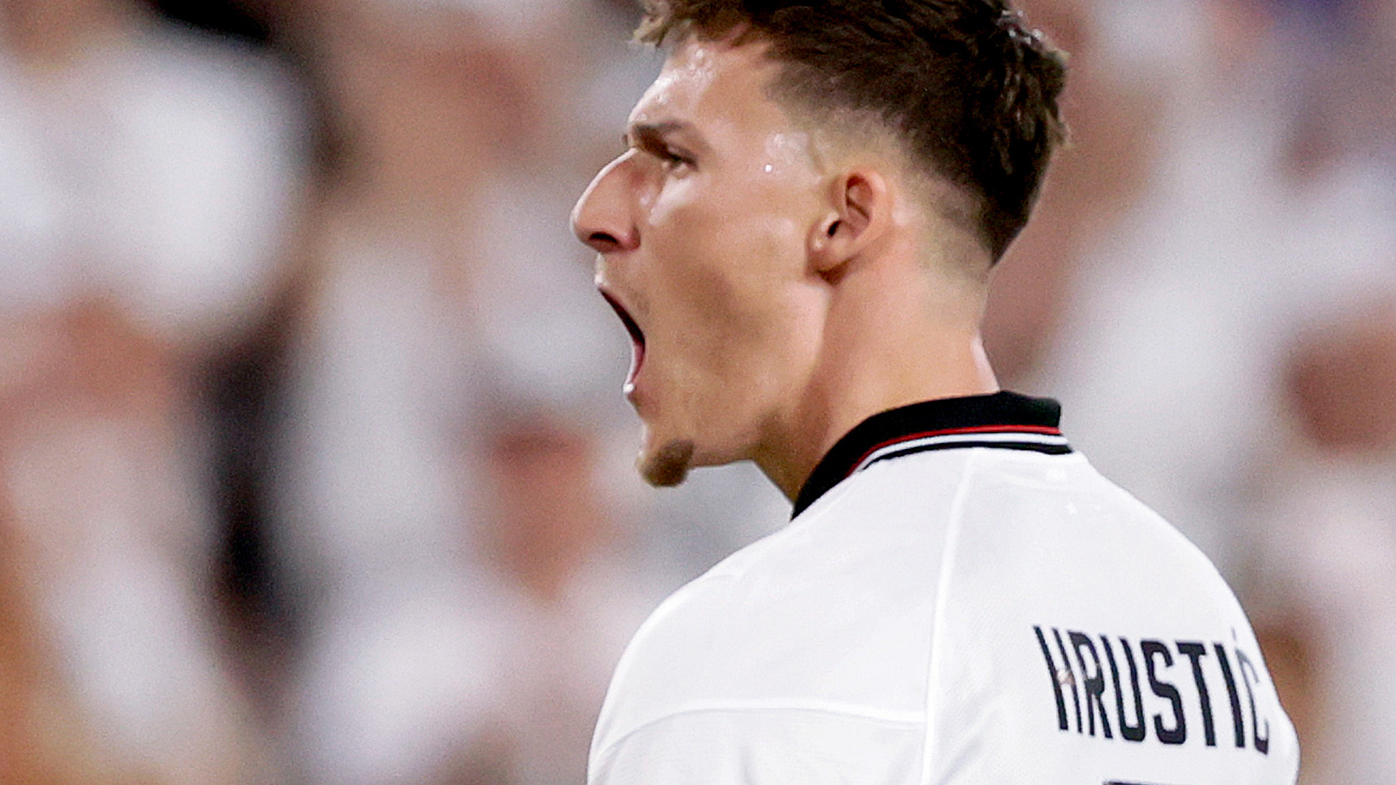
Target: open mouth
<point>637,339</point>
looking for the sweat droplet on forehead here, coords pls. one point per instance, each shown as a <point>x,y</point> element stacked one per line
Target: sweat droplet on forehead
<point>694,61</point>
<point>788,145</point>
<point>783,150</point>
<point>689,70</point>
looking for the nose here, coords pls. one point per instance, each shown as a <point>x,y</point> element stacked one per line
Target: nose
<point>602,217</point>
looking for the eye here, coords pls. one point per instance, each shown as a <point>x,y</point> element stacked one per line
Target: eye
<point>671,158</point>
<point>657,147</point>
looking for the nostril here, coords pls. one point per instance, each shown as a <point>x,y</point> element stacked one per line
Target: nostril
<point>602,241</point>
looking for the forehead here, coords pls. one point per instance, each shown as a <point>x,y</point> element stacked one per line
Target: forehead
<point>707,82</point>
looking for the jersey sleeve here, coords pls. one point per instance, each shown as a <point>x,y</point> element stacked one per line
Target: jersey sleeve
<point>763,746</point>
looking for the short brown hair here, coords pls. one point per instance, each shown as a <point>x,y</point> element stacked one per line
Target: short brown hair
<point>973,92</point>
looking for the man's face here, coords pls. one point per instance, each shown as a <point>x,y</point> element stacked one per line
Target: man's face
<point>703,228</point>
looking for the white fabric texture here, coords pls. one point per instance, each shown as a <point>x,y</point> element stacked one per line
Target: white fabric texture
<point>890,634</point>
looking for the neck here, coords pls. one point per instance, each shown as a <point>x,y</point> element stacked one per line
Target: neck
<point>892,338</point>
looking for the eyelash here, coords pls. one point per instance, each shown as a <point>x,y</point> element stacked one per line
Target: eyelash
<point>671,158</point>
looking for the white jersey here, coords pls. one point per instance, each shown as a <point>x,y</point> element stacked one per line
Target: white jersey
<point>961,598</point>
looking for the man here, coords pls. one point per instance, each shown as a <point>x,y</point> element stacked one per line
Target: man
<point>799,241</point>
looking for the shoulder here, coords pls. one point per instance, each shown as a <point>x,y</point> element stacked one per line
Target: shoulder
<point>831,614</point>
<point>1055,570</point>
<point>1057,525</point>
<point>835,609</point>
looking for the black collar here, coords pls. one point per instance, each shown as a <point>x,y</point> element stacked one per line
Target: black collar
<point>1004,420</point>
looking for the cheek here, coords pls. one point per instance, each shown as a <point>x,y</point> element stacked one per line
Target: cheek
<point>741,327</point>
<point>732,284</point>
<point>654,208</point>
<point>724,251</point>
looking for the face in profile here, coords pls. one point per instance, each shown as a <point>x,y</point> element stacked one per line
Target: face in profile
<point>702,227</point>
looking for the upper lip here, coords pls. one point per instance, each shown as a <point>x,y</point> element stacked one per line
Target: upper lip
<point>631,326</point>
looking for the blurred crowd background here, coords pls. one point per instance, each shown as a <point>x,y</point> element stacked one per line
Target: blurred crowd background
<point>313,463</point>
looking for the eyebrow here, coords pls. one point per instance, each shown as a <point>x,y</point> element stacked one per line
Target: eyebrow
<point>649,134</point>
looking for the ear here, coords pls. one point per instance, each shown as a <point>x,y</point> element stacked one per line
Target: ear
<point>860,212</point>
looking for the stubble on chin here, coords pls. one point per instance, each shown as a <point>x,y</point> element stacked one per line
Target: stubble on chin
<point>668,466</point>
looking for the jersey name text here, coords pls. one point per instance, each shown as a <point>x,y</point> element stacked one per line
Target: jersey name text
<point>1087,672</point>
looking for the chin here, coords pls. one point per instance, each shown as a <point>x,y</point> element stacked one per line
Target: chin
<point>669,465</point>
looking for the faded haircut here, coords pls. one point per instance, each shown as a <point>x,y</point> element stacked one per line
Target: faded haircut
<point>970,90</point>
